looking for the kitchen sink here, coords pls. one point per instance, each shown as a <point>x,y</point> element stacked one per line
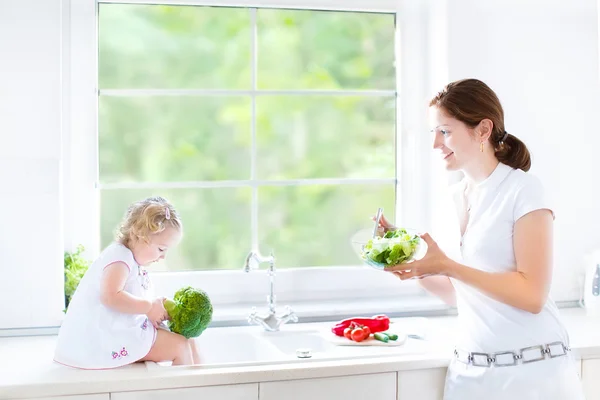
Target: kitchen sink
<point>289,341</point>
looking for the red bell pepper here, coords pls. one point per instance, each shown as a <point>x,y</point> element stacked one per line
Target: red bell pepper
<point>377,323</point>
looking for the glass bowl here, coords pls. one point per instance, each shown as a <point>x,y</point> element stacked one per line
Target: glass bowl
<point>402,246</point>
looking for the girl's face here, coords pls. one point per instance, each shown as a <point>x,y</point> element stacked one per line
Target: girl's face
<point>456,143</point>
<point>146,253</point>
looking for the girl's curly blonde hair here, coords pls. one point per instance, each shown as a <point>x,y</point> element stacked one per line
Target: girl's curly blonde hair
<point>147,217</point>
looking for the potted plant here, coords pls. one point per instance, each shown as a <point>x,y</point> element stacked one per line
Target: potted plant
<point>75,267</point>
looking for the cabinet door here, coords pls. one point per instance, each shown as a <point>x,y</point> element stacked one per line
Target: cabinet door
<point>371,386</point>
<point>421,384</point>
<point>228,392</point>
<point>590,371</point>
<point>103,396</point>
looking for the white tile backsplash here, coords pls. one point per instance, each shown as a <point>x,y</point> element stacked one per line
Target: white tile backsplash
<point>24,176</point>
<point>30,157</point>
<point>29,238</point>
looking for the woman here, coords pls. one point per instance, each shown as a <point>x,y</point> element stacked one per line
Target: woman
<point>511,343</point>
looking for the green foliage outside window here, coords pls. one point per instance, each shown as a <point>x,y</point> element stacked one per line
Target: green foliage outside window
<point>178,138</point>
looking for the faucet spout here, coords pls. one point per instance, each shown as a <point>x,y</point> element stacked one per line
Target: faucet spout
<point>269,321</point>
<point>254,259</point>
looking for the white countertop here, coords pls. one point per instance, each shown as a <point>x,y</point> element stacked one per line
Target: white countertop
<point>27,369</point>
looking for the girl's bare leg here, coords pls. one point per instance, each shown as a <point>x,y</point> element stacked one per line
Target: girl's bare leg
<point>170,346</point>
<point>194,350</point>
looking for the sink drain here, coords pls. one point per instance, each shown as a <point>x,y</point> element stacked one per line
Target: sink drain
<point>303,353</point>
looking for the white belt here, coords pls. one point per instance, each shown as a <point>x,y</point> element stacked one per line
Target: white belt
<point>508,358</point>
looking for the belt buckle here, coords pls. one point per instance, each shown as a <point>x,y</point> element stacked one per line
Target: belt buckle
<point>549,350</point>
<point>515,357</point>
<point>463,356</point>
<point>488,360</point>
<point>541,349</point>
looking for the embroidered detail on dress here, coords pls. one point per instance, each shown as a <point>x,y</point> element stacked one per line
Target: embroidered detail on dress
<point>144,277</point>
<point>145,324</point>
<point>122,353</point>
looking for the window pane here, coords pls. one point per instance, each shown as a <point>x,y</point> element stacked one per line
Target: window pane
<point>159,139</point>
<point>325,50</point>
<point>326,137</point>
<point>312,225</point>
<point>157,46</point>
<point>216,225</point>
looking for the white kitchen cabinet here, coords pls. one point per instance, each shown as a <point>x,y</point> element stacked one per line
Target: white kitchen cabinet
<point>421,384</point>
<point>371,386</point>
<point>228,392</point>
<point>103,396</point>
<point>590,371</point>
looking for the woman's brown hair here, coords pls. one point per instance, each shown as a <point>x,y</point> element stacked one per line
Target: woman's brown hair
<point>471,101</point>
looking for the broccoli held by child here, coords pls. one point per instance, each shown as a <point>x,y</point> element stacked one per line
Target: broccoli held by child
<point>190,312</point>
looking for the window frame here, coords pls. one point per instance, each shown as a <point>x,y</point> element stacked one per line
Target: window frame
<point>420,32</point>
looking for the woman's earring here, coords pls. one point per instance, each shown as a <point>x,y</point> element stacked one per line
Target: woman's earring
<point>481,147</point>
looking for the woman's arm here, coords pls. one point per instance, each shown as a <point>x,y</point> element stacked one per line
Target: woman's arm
<point>527,288</point>
<point>441,287</point>
<point>113,296</point>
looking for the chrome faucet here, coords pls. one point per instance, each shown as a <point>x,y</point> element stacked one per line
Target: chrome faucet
<point>270,321</point>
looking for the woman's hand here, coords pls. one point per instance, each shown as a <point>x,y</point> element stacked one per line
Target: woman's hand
<point>157,313</point>
<point>384,225</point>
<point>435,262</point>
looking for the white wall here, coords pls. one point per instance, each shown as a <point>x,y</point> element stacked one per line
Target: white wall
<point>30,162</point>
<point>541,57</point>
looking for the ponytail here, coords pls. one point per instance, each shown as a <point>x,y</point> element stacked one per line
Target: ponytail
<point>513,152</point>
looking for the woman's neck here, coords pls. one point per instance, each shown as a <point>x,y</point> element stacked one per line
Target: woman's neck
<point>479,172</point>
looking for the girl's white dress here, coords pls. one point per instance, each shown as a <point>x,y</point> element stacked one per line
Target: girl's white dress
<point>93,336</point>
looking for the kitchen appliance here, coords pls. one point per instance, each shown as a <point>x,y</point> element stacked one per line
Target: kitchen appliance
<point>591,286</point>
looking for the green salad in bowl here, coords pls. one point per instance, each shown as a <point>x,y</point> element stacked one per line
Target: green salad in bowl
<point>395,247</point>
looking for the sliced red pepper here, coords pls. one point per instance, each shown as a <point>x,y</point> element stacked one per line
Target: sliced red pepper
<point>377,323</point>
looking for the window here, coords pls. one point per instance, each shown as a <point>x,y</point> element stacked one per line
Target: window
<point>266,128</point>
<point>224,144</point>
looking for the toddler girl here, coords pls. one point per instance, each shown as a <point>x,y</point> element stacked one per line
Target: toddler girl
<point>112,319</point>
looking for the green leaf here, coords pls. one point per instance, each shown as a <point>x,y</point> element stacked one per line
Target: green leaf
<point>75,267</point>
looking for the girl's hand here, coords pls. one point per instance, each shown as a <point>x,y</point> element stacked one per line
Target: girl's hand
<point>435,262</point>
<point>157,313</point>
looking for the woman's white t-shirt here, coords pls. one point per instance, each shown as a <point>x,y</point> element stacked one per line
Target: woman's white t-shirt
<point>487,325</point>
<point>93,336</point>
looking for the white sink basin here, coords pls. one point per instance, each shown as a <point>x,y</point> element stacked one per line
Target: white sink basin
<point>223,347</point>
<point>289,341</point>
<point>220,347</point>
